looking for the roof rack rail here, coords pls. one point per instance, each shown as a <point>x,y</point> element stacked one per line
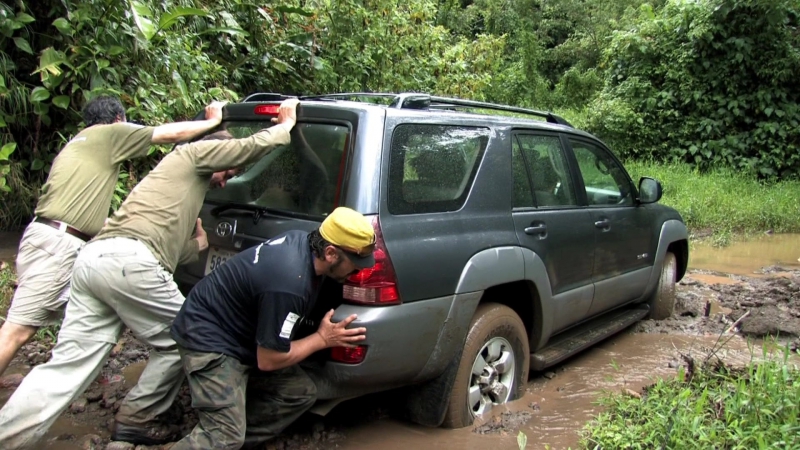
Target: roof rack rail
<point>414,100</point>
<point>445,102</point>
<point>348,95</point>
<point>266,97</point>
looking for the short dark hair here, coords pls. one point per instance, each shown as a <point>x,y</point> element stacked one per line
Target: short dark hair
<point>103,110</point>
<point>317,243</point>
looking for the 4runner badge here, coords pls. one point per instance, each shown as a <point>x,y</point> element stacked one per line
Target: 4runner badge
<point>224,229</point>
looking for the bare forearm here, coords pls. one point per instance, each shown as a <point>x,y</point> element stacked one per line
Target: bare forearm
<point>171,133</point>
<point>269,360</point>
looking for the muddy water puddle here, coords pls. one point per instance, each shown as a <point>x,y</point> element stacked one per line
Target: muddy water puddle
<point>747,257</point>
<point>558,402</point>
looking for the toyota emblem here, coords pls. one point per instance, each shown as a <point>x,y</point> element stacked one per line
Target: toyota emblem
<point>224,229</point>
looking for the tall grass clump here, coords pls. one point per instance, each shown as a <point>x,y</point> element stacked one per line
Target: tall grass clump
<point>723,200</point>
<point>8,280</point>
<point>714,406</point>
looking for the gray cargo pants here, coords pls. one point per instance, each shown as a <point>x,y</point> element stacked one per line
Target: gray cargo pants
<point>115,282</point>
<point>239,405</point>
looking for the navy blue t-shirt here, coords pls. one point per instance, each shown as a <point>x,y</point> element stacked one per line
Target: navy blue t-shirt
<point>257,298</point>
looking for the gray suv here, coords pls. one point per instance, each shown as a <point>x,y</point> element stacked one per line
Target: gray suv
<point>507,241</point>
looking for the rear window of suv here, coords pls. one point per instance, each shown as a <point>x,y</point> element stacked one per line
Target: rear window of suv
<point>432,167</point>
<point>302,177</point>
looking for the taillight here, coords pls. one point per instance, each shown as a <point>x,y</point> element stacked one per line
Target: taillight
<point>269,110</point>
<point>377,285</point>
<point>349,355</point>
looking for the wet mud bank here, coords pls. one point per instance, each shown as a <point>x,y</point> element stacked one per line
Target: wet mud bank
<point>743,309</point>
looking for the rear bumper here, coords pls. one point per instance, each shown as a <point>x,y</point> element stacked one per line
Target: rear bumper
<point>406,344</point>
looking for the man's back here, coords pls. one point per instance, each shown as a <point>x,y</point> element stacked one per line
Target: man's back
<point>83,176</point>
<point>259,295</point>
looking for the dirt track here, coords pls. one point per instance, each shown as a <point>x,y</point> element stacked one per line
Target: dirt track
<point>556,405</point>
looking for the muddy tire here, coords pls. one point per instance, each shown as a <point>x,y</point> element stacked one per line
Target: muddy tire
<point>493,367</point>
<point>662,304</point>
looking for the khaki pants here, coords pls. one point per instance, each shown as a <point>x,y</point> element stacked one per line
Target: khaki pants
<point>44,266</point>
<point>241,405</point>
<point>115,282</point>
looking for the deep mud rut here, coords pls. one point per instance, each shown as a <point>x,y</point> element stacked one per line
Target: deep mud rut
<point>720,314</point>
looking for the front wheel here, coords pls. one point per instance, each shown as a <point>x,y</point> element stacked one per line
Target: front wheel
<point>494,365</point>
<point>662,304</point>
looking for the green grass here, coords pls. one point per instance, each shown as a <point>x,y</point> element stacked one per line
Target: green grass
<point>724,201</point>
<point>7,280</point>
<point>715,406</point>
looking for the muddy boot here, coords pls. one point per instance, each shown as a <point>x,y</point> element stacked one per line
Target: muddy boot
<point>152,434</point>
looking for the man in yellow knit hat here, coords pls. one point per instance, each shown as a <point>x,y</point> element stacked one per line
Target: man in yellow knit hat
<point>236,329</point>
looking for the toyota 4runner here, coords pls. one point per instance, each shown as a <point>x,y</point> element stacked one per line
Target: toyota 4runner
<point>507,241</point>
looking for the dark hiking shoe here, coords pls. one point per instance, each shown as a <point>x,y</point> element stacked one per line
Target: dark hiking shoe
<point>155,434</point>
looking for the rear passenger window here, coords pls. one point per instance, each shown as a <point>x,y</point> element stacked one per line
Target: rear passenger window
<point>432,167</point>
<point>539,164</point>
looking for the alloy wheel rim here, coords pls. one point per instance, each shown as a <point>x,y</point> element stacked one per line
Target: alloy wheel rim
<point>492,376</point>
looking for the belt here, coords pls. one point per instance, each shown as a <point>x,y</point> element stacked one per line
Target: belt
<point>63,227</point>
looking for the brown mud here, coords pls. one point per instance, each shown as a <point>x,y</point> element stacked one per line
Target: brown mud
<point>725,313</point>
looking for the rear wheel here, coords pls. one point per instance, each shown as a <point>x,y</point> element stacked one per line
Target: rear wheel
<point>662,304</point>
<point>494,365</point>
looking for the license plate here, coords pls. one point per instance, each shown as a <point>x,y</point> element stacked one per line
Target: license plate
<point>216,258</point>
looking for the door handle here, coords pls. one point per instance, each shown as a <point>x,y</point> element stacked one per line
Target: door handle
<point>605,224</point>
<point>537,229</point>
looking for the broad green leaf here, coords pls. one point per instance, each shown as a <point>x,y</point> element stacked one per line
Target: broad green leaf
<point>103,63</point>
<point>768,111</point>
<point>3,185</point>
<point>37,164</point>
<point>51,61</point>
<point>63,26</point>
<point>171,17</point>
<point>116,50</point>
<point>25,18</point>
<point>293,10</point>
<point>3,123</point>
<point>39,94</point>
<point>141,16</point>
<point>23,45</point>
<point>226,30</point>
<point>62,101</point>
<point>7,150</point>
<point>522,440</point>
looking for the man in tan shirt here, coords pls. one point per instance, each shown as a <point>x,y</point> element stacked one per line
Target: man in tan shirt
<point>74,204</point>
<point>124,277</point>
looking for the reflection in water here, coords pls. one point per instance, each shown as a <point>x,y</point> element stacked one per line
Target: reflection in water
<point>745,258</point>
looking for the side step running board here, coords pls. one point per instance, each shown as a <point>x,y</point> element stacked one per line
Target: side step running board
<point>586,335</point>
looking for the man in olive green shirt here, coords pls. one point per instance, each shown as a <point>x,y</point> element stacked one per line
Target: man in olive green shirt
<point>124,277</point>
<point>74,204</point>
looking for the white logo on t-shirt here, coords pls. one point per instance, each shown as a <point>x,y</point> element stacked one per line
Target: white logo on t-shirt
<point>275,242</point>
<point>288,325</point>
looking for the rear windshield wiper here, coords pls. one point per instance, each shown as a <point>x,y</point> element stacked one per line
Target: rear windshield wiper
<point>258,211</point>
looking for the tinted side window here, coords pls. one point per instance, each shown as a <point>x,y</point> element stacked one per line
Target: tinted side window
<point>432,167</point>
<point>605,180</point>
<point>523,195</point>
<point>547,171</point>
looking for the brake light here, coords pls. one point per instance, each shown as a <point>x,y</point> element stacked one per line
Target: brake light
<point>349,355</point>
<point>377,285</point>
<point>269,110</point>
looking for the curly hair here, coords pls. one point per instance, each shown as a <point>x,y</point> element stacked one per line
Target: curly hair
<point>317,243</point>
<point>103,110</point>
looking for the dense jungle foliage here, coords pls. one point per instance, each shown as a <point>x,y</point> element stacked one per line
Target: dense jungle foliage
<point>708,83</point>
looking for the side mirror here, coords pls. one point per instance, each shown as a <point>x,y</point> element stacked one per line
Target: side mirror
<point>650,190</point>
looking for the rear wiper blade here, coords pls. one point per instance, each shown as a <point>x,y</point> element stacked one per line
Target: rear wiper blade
<point>258,211</point>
